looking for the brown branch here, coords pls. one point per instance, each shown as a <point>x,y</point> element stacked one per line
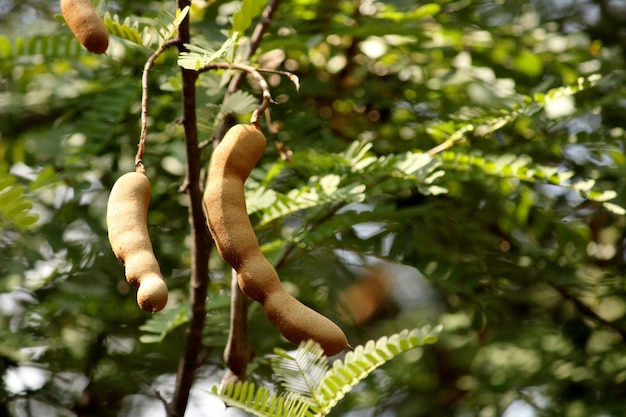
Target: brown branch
<point>238,352</point>
<point>200,237</point>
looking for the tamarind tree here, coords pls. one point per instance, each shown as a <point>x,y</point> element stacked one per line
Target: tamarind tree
<point>442,180</point>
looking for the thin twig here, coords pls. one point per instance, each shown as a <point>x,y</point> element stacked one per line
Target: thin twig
<point>144,97</point>
<point>255,73</point>
<point>444,146</point>
<point>255,40</point>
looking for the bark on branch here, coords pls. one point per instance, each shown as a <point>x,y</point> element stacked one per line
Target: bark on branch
<point>200,238</point>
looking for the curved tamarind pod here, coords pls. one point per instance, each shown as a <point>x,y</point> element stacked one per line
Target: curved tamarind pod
<point>87,26</point>
<point>127,213</point>
<point>224,199</point>
<point>298,322</point>
<point>229,224</point>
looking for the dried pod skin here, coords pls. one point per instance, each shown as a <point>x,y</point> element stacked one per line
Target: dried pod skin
<point>86,25</point>
<point>127,213</point>
<point>229,224</point>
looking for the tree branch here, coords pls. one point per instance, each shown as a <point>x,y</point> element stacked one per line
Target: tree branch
<point>200,238</point>
<point>238,352</point>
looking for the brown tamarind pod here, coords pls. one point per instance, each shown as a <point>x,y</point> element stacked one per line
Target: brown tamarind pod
<point>297,322</point>
<point>229,224</point>
<point>127,213</point>
<point>83,20</point>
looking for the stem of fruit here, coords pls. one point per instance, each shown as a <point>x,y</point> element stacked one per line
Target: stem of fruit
<point>144,99</point>
<point>256,74</point>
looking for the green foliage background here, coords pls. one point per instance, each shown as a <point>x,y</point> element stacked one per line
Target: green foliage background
<point>510,232</point>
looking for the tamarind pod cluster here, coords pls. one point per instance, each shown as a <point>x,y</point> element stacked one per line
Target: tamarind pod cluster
<point>127,213</point>
<point>229,224</point>
<point>86,25</point>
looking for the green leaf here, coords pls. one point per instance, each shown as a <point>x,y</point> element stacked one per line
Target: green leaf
<point>426,10</point>
<point>312,387</point>
<point>160,325</point>
<point>363,360</point>
<point>203,54</point>
<point>5,47</point>
<point>62,45</point>
<point>240,102</point>
<point>528,63</point>
<point>301,372</point>
<point>15,205</point>
<point>259,401</point>
<point>127,30</point>
<point>242,18</point>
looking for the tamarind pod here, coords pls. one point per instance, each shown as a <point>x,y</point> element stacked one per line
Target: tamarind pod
<point>257,277</point>
<point>127,213</point>
<point>152,293</point>
<point>83,20</point>
<point>229,224</point>
<point>224,199</point>
<point>259,280</point>
<point>297,322</point>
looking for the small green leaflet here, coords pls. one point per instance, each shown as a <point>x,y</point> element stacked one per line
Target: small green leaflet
<point>201,55</point>
<point>15,207</point>
<point>242,19</point>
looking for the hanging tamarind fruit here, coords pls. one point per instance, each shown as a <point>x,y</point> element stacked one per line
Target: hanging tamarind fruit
<point>83,20</point>
<point>127,212</point>
<point>229,224</point>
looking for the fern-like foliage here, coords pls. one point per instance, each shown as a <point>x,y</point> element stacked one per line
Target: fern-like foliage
<point>158,326</point>
<point>313,387</point>
<point>154,33</point>
<point>129,30</point>
<point>49,46</point>
<point>457,129</point>
<point>325,190</point>
<point>361,362</point>
<point>105,111</point>
<point>523,168</point>
<point>204,54</point>
<point>259,401</point>
<point>345,178</point>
